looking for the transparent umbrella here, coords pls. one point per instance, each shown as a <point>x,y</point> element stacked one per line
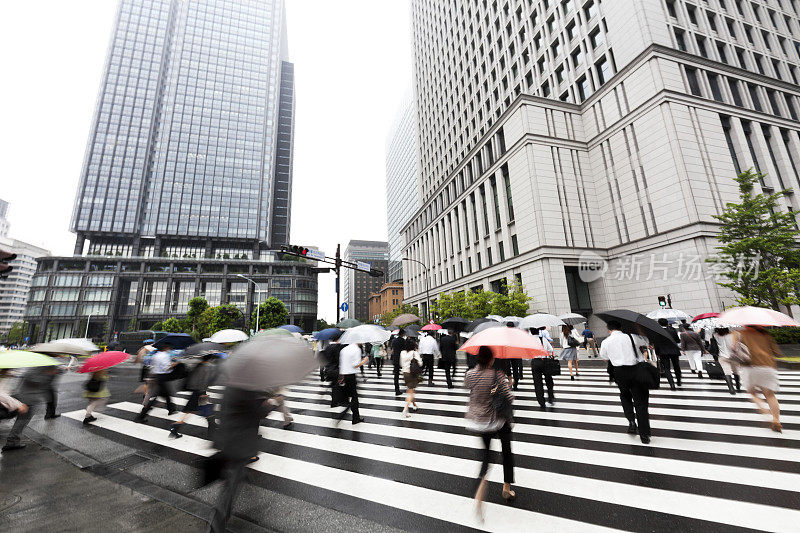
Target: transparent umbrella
<point>268,362</point>
<point>540,320</point>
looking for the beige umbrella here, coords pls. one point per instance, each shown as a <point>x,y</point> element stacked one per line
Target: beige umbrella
<point>60,348</point>
<point>402,320</point>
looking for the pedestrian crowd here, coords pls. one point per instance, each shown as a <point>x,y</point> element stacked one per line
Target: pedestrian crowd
<point>744,358</point>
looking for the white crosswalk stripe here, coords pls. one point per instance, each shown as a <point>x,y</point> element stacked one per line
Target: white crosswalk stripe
<point>712,460</point>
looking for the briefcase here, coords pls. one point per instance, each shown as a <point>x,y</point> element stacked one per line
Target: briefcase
<point>551,367</point>
<point>714,370</point>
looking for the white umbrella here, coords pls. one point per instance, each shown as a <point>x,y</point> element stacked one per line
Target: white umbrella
<point>496,318</point>
<point>539,320</point>
<point>86,344</point>
<point>487,325</point>
<point>573,318</point>
<point>228,335</point>
<point>672,315</point>
<point>364,333</point>
<point>515,319</point>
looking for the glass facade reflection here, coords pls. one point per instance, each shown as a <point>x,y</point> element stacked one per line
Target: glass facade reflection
<point>195,100</point>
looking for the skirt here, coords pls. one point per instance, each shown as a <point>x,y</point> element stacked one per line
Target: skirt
<point>412,380</point>
<point>192,404</point>
<point>569,353</point>
<point>759,377</point>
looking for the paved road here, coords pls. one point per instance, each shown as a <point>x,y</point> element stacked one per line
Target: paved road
<point>712,466</point>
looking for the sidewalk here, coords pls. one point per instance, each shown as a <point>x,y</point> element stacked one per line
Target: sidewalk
<point>40,491</point>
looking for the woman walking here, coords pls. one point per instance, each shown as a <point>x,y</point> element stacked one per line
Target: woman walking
<point>692,344</point>
<point>485,384</point>
<point>378,354</point>
<point>411,366</point>
<point>760,375</point>
<point>723,340</point>
<point>96,391</point>
<point>570,340</point>
<point>198,381</point>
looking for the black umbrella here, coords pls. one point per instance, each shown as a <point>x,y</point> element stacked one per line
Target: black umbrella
<point>630,319</point>
<point>475,323</point>
<point>203,348</point>
<point>457,323</point>
<point>179,341</point>
<point>412,330</point>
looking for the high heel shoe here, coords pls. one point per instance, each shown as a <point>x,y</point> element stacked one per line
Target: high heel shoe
<point>509,495</point>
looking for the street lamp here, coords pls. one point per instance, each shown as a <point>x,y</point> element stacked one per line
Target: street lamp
<point>88,319</point>
<point>258,297</point>
<point>427,287</point>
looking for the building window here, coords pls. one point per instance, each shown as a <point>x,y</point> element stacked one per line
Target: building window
<point>754,96</point>
<point>509,200</point>
<point>489,256</point>
<point>694,84</point>
<point>603,68</point>
<point>713,82</point>
<point>680,41</point>
<point>765,130</point>
<point>493,184</point>
<point>482,191</point>
<point>514,245</point>
<point>788,146</point>
<point>726,129</point>
<point>737,97</point>
<point>501,250</point>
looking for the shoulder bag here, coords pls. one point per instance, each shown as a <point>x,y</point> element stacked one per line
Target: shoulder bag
<point>502,411</point>
<point>646,374</point>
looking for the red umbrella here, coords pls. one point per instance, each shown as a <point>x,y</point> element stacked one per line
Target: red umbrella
<point>431,327</point>
<point>506,343</point>
<point>705,315</point>
<point>103,360</point>
<point>756,316</point>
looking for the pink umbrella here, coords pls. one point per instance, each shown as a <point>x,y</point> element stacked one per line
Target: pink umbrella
<point>102,361</point>
<point>756,316</point>
<point>705,315</point>
<point>431,327</point>
<point>506,343</point>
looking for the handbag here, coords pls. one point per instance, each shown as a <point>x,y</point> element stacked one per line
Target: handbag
<point>441,364</point>
<point>646,374</point>
<point>572,342</point>
<point>551,367</point>
<point>740,353</point>
<point>500,402</point>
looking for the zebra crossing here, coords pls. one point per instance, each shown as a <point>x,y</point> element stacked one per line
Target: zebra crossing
<point>713,463</point>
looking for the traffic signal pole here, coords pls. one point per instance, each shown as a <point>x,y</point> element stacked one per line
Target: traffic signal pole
<point>337,269</point>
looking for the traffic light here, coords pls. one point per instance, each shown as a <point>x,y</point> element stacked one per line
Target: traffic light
<point>295,250</point>
<point>5,258</point>
<point>662,301</point>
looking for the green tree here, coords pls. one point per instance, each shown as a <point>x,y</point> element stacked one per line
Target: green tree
<point>323,324</point>
<point>450,305</point>
<point>196,307</point>
<point>480,303</point>
<point>133,325</point>
<point>513,303</point>
<point>173,325</point>
<point>272,313</point>
<point>758,255</point>
<point>15,334</point>
<point>214,319</point>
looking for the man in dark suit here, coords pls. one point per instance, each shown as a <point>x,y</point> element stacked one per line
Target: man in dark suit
<point>669,353</point>
<point>447,347</point>
<point>397,346</point>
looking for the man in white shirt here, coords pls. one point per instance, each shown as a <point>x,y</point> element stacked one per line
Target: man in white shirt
<point>160,367</point>
<point>623,352</point>
<point>428,349</point>
<point>351,359</point>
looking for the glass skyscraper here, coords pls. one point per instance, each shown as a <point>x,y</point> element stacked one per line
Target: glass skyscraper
<point>186,182</point>
<point>196,99</point>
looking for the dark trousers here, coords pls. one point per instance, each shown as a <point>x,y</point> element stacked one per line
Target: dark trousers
<point>234,474</point>
<point>449,367</point>
<point>537,369</point>
<point>20,424</point>
<point>396,378</point>
<point>427,366</point>
<point>351,393</point>
<point>635,398</point>
<point>504,434</point>
<point>516,371</point>
<point>51,398</point>
<point>671,359</point>
<point>162,390</point>
<point>378,365</point>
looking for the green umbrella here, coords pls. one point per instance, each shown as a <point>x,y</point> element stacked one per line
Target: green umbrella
<point>23,359</point>
<point>348,323</point>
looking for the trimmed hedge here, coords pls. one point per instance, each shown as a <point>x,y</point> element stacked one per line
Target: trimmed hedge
<point>789,335</point>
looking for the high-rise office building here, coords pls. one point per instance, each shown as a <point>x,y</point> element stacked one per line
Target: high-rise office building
<point>3,218</point>
<point>402,181</point>
<point>358,285</point>
<point>556,130</point>
<point>14,288</point>
<point>188,166</point>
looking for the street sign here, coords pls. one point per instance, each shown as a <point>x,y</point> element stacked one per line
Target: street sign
<point>315,254</point>
<point>344,307</point>
<point>27,340</point>
<point>366,267</point>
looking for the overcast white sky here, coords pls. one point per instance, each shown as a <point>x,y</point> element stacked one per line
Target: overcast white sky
<point>352,66</point>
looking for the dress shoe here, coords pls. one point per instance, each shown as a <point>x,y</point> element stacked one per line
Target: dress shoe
<point>357,420</point>
<point>632,429</point>
<point>88,420</point>
<point>50,417</point>
<point>542,406</point>
<point>645,439</point>
<point>9,447</point>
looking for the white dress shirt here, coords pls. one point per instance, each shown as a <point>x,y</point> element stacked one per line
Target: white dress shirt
<point>161,362</point>
<point>349,358</point>
<point>618,350</point>
<point>405,360</point>
<point>428,345</point>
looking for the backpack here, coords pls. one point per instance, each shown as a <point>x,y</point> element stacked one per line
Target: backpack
<point>93,385</point>
<point>330,360</point>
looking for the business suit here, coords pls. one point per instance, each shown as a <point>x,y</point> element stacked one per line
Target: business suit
<point>397,346</point>
<point>669,354</point>
<point>447,345</point>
